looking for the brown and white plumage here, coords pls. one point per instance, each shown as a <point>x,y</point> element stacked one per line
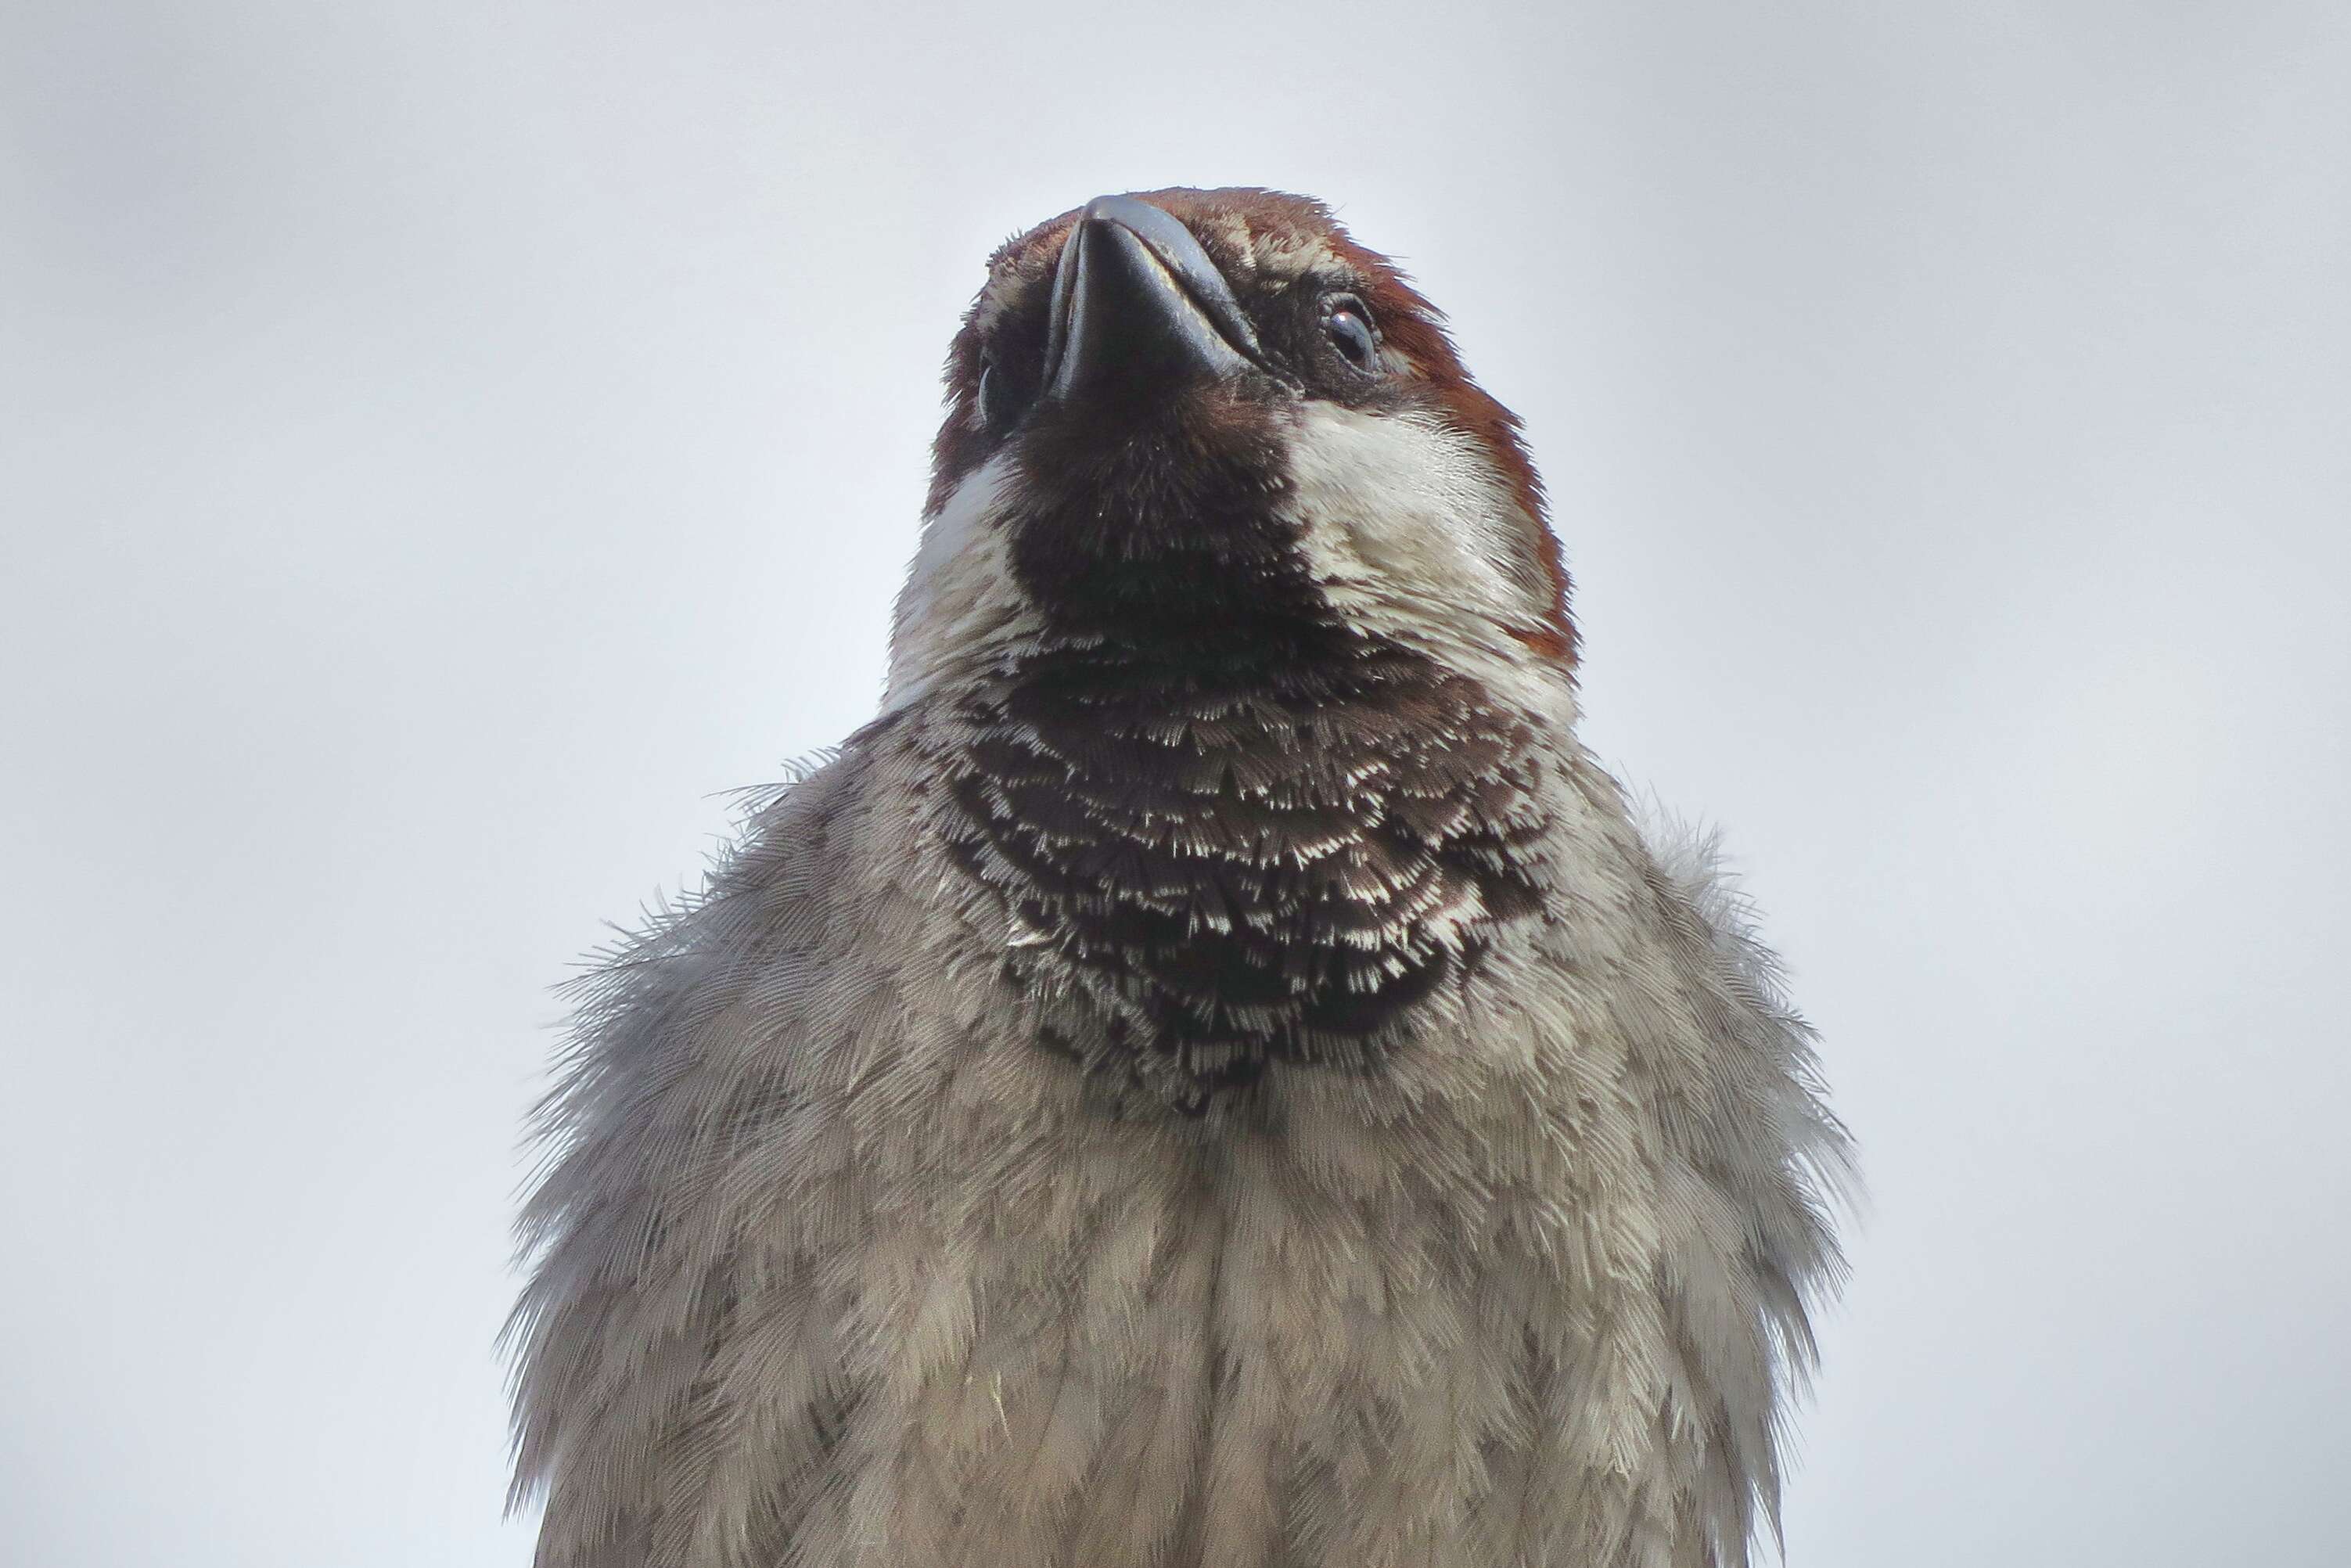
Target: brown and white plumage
<point>1213,1074</point>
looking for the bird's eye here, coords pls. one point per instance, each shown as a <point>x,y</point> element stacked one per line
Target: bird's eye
<point>1002,399</point>
<point>1348,324</point>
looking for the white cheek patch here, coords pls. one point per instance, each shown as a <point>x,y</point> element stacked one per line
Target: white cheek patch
<point>1412,533</point>
<point>960,601</point>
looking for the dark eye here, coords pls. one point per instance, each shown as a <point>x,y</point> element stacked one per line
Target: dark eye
<point>1348,324</point>
<point>1002,397</point>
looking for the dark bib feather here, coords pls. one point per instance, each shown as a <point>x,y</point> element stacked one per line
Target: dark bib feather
<point>1246,854</point>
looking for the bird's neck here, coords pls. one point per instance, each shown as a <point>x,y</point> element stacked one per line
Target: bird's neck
<point>1269,847</point>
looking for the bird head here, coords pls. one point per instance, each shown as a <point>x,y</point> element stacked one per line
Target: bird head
<point>1186,417</point>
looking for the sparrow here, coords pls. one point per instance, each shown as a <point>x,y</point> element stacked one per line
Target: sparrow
<point>1214,1075</point>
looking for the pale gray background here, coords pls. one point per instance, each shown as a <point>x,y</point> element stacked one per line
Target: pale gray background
<point>445,445</point>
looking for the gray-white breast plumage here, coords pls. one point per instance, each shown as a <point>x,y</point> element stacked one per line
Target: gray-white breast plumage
<point>1213,1074</point>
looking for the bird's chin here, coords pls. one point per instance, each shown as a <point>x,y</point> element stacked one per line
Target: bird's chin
<point>1169,520</point>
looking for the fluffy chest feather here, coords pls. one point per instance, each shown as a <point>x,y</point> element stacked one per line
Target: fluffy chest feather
<point>1263,1343</point>
<point>845,1270</point>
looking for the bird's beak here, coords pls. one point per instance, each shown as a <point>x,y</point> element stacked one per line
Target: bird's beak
<point>1139,309</point>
